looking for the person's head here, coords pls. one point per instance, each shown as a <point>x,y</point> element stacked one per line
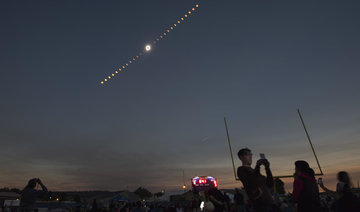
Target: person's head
<point>344,177</point>
<point>32,183</point>
<point>302,166</point>
<point>245,156</point>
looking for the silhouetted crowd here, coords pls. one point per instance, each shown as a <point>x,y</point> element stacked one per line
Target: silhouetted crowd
<point>305,196</point>
<point>260,195</point>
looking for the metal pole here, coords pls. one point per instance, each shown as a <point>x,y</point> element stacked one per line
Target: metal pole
<point>184,185</point>
<point>307,134</point>
<point>292,176</point>
<point>232,158</point>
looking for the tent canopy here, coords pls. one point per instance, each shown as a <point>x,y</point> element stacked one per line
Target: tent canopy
<point>120,198</point>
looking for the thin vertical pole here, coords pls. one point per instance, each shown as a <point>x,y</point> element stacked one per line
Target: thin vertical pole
<point>184,185</point>
<point>228,137</point>
<point>307,134</point>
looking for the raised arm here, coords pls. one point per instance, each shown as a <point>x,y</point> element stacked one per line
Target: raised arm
<point>326,189</point>
<point>269,177</point>
<point>43,187</point>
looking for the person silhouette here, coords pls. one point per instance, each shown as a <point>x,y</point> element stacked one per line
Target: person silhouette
<point>257,186</point>
<point>29,195</point>
<point>346,200</point>
<point>305,190</point>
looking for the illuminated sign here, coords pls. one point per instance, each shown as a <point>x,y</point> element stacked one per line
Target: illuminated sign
<point>204,183</point>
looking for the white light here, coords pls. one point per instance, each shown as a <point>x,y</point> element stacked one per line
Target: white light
<point>147,48</point>
<point>202,205</point>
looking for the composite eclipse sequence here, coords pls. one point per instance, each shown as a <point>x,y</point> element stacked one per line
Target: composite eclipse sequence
<point>150,45</point>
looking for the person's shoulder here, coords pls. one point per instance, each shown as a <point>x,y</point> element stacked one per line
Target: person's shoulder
<point>27,190</point>
<point>244,169</point>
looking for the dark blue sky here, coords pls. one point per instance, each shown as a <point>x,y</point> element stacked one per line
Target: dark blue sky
<point>254,62</point>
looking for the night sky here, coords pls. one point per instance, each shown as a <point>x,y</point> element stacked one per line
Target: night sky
<point>254,62</point>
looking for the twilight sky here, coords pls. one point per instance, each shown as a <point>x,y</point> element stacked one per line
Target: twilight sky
<point>252,61</point>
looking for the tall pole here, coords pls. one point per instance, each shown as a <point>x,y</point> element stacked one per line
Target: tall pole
<point>184,185</point>
<point>228,137</point>
<point>307,134</point>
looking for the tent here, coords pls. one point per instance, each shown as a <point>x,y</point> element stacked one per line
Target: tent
<point>125,196</point>
<point>120,198</point>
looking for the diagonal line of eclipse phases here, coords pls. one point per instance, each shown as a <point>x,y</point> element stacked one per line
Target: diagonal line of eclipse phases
<point>148,47</point>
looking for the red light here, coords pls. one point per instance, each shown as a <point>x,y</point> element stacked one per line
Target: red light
<point>202,181</point>
<point>215,184</point>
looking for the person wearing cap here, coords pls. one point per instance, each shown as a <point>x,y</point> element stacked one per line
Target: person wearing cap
<point>305,191</point>
<point>257,186</point>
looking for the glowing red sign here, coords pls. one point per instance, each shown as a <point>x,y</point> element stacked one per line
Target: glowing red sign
<point>201,181</point>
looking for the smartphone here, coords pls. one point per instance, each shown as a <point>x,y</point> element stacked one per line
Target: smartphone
<point>320,180</point>
<point>262,156</point>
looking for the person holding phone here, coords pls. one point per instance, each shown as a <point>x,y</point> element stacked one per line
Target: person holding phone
<point>345,200</point>
<point>344,184</point>
<point>257,186</point>
<point>29,195</point>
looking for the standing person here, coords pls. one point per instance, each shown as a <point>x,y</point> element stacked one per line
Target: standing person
<point>305,190</point>
<point>195,203</point>
<point>345,199</point>
<point>112,206</point>
<point>95,206</point>
<point>239,200</point>
<point>256,185</point>
<point>208,206</point>
<point>227,201</point>
<point>218,199</point>
<point>29,195</point>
